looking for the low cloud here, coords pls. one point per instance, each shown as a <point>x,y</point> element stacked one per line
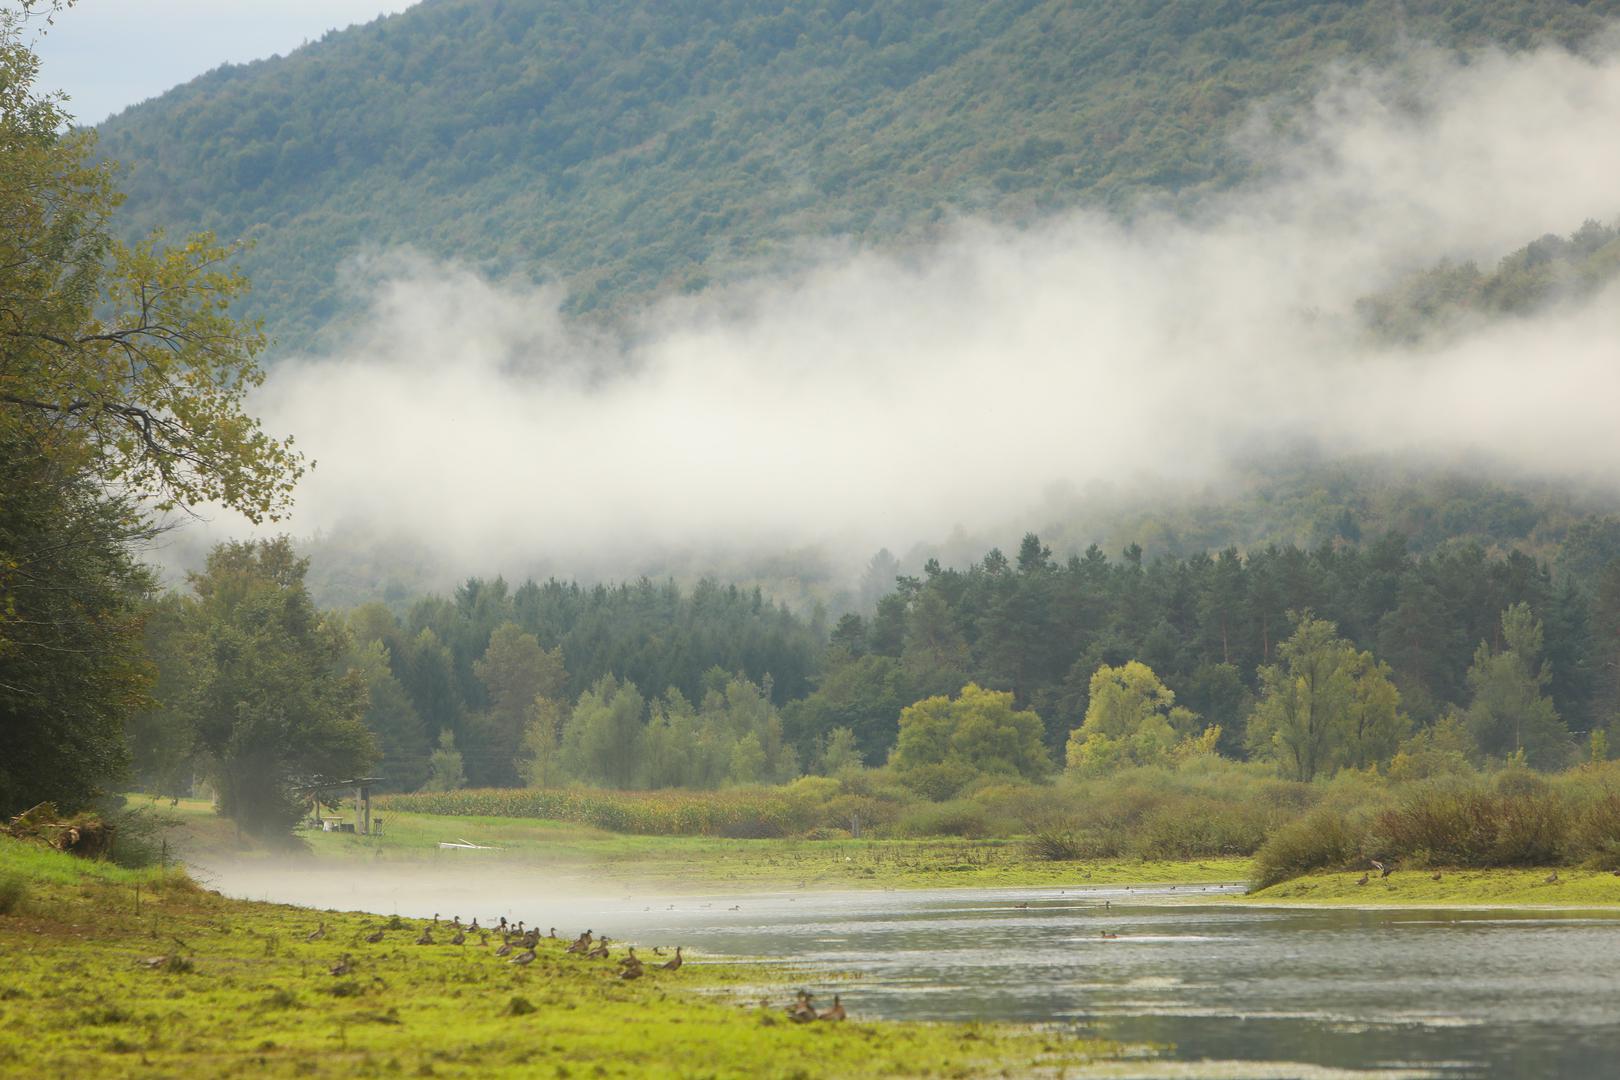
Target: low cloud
<point>885,398</point>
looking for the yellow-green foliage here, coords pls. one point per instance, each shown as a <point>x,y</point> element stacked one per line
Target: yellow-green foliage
<point>241,992</point>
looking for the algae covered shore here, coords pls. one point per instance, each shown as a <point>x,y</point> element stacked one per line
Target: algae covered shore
<point>143,973</point>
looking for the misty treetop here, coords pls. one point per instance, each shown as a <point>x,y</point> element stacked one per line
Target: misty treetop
<point>1343,657</point>
<point>630,147</point>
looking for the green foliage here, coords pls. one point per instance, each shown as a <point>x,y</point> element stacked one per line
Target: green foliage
<point>276,704</point>
<point>946,742</point>
<point>1326,705</point>
<point>630,148</point>
<point>1541,273</point>
<point>1132,718</point>
<point>1510,712</point>
<point>1321,840</point>
<point>445,771</point>
<point>71,669</point>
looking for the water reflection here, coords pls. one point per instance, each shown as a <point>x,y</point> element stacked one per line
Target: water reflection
<point>1238,991</point>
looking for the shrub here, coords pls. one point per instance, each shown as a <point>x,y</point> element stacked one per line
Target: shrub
<point>960,817</point>
<point>1596,832</point>
<point>1323,839</point>
<point>13,894</point>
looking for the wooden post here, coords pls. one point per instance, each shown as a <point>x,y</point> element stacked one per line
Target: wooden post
<point>359,802</point>
<point>366,791</point>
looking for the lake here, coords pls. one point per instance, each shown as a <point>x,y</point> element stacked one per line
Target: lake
<point>1239,991</point>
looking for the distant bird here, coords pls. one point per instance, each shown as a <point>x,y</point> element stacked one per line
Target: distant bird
<point>803,1010</point>
<point>455,921</point>
<point>834,1013</point>
<point>460,938</point>
<point>1362,880</point>
<point>503,923</point>
<point>735,907</point>
<point>317,933</point>
<point>553,934</point>
<point>505,949</point>
<point>435,918</point>
<point>474,926</point>
<point>426,937</point>
<point>1435,876</point>
<point>1025,904</point>
<point>581,943</point>
<point>375,936</point>
<point>601,950</point>
<point>342,967</point>
<point>675,964</point>
<point>483,941</point>
<point>1552,879</point>
<point>524,957</point>
<point>1386,871</point>
<point>1106,936</point>
<point>1376,865</point>
<point>658,950</point>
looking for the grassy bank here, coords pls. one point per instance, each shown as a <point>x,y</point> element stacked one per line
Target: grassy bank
<point>701,862</point>
<point>1499,887</point>
<point>242,992</point>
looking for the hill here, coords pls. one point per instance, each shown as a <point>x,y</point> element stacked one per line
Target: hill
<point>627,149</point>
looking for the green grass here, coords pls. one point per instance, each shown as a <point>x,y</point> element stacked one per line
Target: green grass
<point>696,862</point>
<point>254,998</point>
<point>1497,887</point>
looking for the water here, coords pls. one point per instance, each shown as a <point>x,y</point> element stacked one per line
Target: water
<point>1260,992</point>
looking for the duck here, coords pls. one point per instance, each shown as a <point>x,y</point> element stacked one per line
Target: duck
<point>1552,879</point>
<point>803,1010</point>
<point>426,937</point>
<point>658,950</point>
<point>505,949</point>
<point>460,938</point>
<point>675,964</point>
<point>1435,876</point>
<point>1107,936</point>
<point>601,950</point>
<point>317,933</point>
<point>1362,880</point>
<point>836,1012</point>
<point>342,967</point>
<point>524,957</point>
<point>581,943</point>
<point>553,934</point>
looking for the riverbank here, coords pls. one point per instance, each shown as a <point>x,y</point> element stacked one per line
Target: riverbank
<point>1497,887</point>
<point>580,854</point>
<point>144,973</point>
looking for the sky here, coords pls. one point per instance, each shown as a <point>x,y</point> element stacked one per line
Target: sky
<point>110,54</point>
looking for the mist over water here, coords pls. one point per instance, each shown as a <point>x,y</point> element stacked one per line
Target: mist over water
<point>885,398</point>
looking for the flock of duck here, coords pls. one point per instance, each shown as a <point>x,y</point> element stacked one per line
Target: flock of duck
<point>518,946</point>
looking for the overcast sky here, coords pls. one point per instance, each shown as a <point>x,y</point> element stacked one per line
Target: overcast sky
<point>110,54</point>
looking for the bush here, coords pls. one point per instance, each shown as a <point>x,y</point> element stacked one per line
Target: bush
<point>1596,832</point>
<point>1523,823</point>
<point>13,894</point>
<point>960,817</point>
<point>1321,840</point>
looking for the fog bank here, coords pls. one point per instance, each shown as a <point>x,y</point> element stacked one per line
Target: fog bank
<point>883,398</point>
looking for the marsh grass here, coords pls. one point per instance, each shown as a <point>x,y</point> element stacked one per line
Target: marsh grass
<point>77,1002</point>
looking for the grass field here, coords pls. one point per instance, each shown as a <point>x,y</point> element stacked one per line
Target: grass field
<point>698,862</point>
<point>1497,887</point>
<point>235,989</point>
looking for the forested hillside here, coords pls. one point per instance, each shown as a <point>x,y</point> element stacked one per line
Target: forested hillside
<point>628,148</point>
